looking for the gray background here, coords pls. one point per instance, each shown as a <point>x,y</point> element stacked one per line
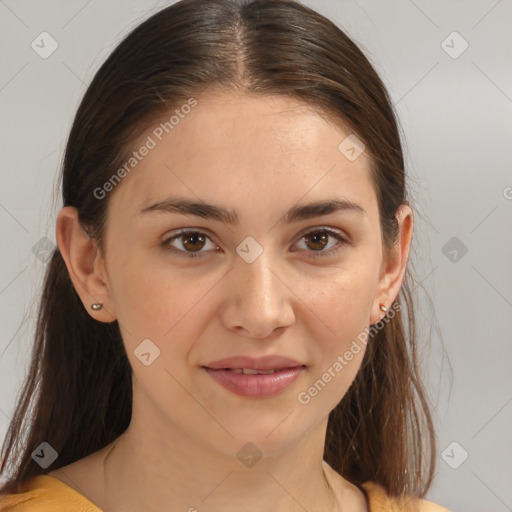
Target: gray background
<point>454,109</point>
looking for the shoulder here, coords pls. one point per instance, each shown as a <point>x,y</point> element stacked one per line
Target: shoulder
<point>380,501</point>
<point>43,493</point>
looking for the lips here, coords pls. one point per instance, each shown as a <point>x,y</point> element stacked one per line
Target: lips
<point>255,377</point>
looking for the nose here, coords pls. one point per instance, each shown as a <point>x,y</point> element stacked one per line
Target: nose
<point>259,299</point>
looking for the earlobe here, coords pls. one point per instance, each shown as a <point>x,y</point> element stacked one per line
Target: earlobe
<point>84,263</point>
<point>393,271</point>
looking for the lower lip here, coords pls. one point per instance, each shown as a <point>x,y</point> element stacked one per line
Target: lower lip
<point>259,385</point>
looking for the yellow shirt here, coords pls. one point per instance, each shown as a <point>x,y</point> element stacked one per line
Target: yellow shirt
<point>48,494</point>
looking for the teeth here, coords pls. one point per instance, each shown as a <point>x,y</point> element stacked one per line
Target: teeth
<point>251,371</point>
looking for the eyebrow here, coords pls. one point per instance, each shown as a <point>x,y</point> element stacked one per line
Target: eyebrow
<point>209,211</point>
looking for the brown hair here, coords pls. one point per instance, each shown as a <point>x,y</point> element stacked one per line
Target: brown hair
<point>77,396</point>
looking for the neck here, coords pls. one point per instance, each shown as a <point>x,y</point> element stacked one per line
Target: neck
<point>145,471</point>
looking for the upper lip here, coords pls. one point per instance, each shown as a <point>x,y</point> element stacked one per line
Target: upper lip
<point>272,362</point>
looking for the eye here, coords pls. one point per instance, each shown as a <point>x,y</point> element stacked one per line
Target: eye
<point>193,241</point>
<point>318,239</point>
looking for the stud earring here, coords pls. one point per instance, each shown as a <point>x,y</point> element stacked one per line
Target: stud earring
<point>383,308</point>
<point>96,307</point>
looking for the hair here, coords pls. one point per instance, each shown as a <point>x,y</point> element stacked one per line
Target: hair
<point>78,392</point>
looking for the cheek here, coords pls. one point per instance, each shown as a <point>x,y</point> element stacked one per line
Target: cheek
<point>167,307</point>
<point>343,303</point>
<point>339,322</point>
<point>342,310</point>
<point>147,303</point>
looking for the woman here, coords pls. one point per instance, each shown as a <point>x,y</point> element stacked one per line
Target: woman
<point>222,324</point>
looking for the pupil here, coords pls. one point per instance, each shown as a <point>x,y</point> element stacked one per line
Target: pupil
<point>195,237</point>
<point>323,237</point>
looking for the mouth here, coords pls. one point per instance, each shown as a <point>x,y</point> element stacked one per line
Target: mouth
<point>255,383</point>
<point>252,371</point>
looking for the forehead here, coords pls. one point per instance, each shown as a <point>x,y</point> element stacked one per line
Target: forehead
<point>244,150</point>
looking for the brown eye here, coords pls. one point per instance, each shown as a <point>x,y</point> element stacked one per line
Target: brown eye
<point>317,240</point>
<point>191,244</point>
<point>193,241</point>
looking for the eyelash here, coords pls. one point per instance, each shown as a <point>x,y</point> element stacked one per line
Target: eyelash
<point>314,254</point>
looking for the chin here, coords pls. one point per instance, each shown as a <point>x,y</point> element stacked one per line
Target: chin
<point>259,437</point>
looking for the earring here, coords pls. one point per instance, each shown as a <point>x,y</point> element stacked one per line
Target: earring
<point>383,308</point>
<point>96,307</point>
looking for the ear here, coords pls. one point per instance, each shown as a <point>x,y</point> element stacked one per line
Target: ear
<point>85,264</point>
<point>394,265</point>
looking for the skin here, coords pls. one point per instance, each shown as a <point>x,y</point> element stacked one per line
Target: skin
<point>258,156</point>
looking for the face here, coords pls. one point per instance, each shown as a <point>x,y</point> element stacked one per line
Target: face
<point>302,286</point>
